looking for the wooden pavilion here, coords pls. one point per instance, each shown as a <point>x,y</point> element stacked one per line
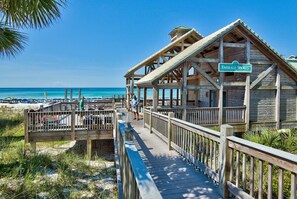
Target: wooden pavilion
<point>231,76</point>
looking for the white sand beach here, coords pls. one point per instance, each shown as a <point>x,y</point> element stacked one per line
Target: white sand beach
<point>22,106</point>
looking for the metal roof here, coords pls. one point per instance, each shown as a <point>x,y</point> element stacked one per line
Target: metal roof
<point>199,46</point>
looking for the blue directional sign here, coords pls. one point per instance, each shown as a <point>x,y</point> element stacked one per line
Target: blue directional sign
<point>235,67</point>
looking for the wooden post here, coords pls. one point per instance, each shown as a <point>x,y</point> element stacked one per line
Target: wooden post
<point>247,88</point>
<point>171,98</point>
<point>89,148</point>
<point>26,125</point>
<point>70,94</point>
<point>128,98</point>
<point>33,146</point>
<point>221,58</point>
<point>65,94</point>
<point>144,97</point>
<point>169,127</point>
<point>277,99</point>
<point>73,124</point>
<point>79,94</point>
<point>177,97</point>
<point>163,97</point>
<point>138,97</point>
<point>151,120</point>
<point>155,97</point>
<point>224,160</point>
<point>132,85</point>
<point>184,92</point>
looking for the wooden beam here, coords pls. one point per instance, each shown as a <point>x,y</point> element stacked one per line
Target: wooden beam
<point>234,83</point>
<point>247,86</point>
<point>210,60</point>
<point>198,87</point>
<point>205,75</point>
<point>169,54</point>
<point>262,75</point>
<point>231,45</point>
<point>277,99</point>
<point>183,45</point>
<point>221,87</point>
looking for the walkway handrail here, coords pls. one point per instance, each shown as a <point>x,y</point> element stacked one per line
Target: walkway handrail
<point>67,121</point>
<point>260,159</point>
<point>136,182</point>
<point>225,158</point>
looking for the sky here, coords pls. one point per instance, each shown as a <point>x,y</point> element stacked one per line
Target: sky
<point>96,42</point>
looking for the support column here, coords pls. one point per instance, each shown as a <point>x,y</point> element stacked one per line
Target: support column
<point>89,148</point>
<point>277,99</point>
<point>138,97</point>
<point>155,97</point>
<point>247,87</point>
<point>163,97</point>
<point>144,96</point>
<point>184,92</point>
<point>177,97</point>
<point>171,98</point>
<point>221,92</point>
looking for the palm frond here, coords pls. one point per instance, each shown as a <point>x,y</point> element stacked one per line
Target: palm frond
<point>11,41</point>
<point>30,13</point>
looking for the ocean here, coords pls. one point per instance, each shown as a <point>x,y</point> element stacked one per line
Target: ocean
<point>58,93</point>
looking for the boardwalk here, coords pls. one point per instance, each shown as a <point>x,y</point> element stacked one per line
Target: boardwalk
<point>174,177</point>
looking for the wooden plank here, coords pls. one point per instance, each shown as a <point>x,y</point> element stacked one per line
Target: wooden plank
<point>205,75</point>
<point>262,75</point>
<point>293,185</point>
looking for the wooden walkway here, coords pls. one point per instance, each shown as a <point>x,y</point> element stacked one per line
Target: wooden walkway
<point>174,177</point>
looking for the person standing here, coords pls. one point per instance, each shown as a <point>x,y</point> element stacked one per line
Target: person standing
<point>82,104</point>
<point>81,107</point>
<point>135,103</point>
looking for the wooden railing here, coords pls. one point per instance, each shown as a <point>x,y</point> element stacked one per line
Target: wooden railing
<point>67,106</point>
<point>241,168</point>
<point>134,180</point>
<point>53,121</point>
<point>208,115</point>
<point>234,114</point>
<point>203,115</point>
<point>260,171</point>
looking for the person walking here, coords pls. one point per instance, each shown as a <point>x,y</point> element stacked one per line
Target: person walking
<point>135,104</point>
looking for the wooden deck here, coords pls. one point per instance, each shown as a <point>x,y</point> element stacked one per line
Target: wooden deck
<point>174,177</point>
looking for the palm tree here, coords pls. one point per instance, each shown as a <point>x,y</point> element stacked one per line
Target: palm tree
<point>20,14</point>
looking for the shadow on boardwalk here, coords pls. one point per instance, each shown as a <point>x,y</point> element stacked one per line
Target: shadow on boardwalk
<point>174,177</point>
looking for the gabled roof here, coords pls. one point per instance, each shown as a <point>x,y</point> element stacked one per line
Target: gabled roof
<point>201,45</point>
<point>166,48</point>
<point>293,62</point>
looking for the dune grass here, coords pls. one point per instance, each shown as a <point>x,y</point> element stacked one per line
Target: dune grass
<point>31,175</point>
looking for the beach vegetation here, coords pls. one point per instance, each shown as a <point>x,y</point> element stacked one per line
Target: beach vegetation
<point>25,174</point>
<point>17,15</point>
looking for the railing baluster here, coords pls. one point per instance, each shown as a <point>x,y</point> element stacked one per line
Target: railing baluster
<point>280,183</point>
<point>260,193</point>
<point>293,185</point>
<point>269,193</point>
<point>252,177</point>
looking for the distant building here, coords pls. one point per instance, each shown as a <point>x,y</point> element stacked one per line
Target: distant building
<point>293,61</point>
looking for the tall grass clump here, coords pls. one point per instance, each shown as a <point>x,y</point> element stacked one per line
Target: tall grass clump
<point>285,140</point>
